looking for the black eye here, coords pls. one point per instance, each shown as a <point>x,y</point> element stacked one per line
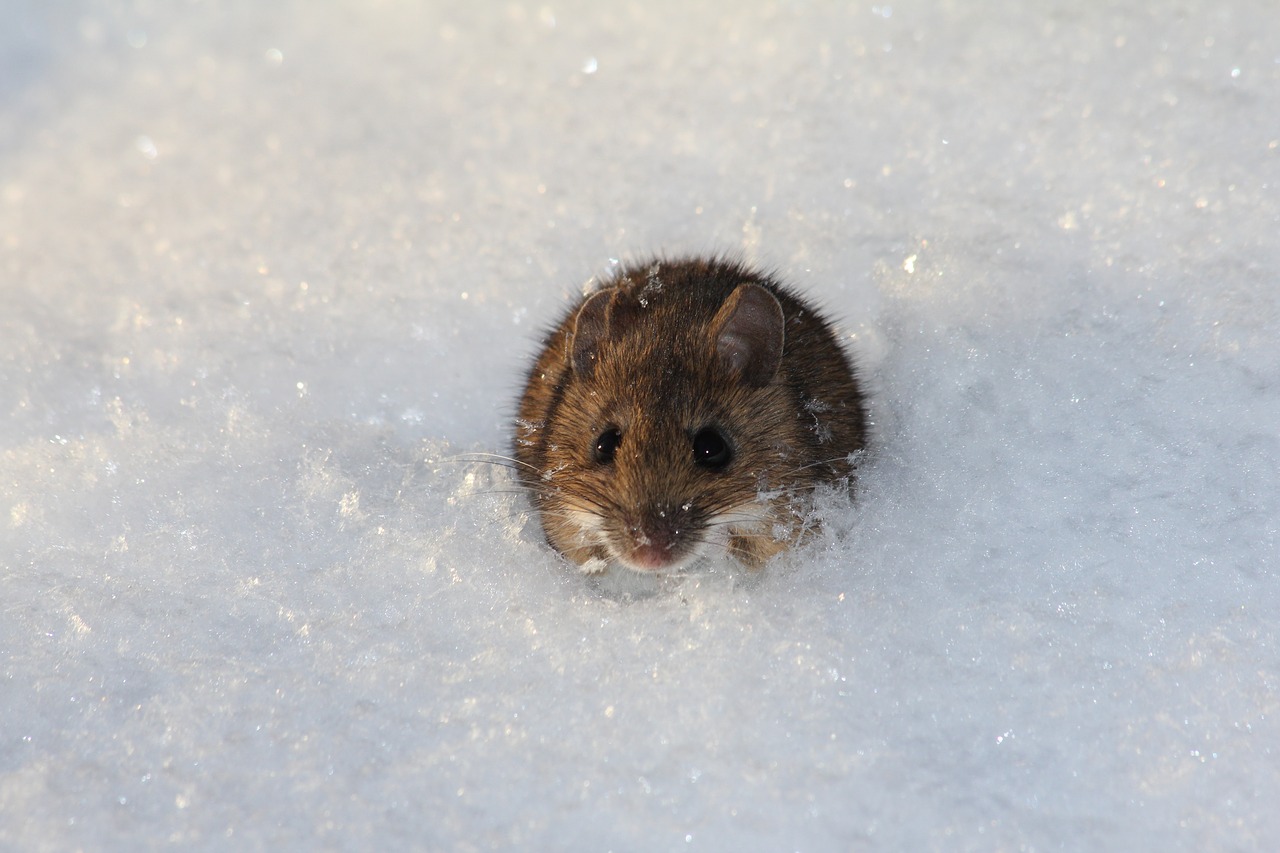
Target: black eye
<point>607,445</point>
<point>710,450</point>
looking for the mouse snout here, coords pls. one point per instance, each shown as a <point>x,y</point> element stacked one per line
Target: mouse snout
<point>658,538</point>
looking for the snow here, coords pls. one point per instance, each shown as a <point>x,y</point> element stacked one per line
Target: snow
<point>270,275</point>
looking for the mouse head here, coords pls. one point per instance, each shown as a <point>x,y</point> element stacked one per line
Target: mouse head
<point>670,426</point>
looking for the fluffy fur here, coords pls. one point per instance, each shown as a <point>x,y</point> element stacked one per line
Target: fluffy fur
<point>656,358</point>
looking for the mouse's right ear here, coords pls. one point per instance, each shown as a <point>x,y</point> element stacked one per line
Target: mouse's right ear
<point>589,328</point>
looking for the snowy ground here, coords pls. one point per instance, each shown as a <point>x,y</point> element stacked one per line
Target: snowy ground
<point>266,270</point>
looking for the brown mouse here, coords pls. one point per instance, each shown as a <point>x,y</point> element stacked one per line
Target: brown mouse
<point>686,407</point>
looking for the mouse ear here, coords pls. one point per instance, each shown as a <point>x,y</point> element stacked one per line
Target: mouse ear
<point>589,327</point>
<point>749,334</point>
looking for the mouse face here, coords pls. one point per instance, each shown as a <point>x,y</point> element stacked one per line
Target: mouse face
<point>649,474</point>
<point>662,423</point>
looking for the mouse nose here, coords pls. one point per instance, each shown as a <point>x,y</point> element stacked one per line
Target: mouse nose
<point>650,557</point>
<point>658,539</point>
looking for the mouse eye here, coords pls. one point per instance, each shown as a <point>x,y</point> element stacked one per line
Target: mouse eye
<point>710,450</point>
<point>607,445</point>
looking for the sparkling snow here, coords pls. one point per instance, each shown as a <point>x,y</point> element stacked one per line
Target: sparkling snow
<point>270,275</point>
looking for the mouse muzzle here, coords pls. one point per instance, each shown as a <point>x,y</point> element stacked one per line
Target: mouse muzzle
<point>657,539</point>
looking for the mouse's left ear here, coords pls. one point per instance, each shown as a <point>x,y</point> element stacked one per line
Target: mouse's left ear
<point>749,333</point>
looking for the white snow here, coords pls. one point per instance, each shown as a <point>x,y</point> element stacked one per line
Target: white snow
<point>270,276</point>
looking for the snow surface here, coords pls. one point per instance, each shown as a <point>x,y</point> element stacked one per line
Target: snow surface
<point>271,273</point>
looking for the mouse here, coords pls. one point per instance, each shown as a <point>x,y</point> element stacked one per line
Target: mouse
<point>686,408</point>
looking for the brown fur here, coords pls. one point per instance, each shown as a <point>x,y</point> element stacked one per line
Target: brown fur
<point>653,372</point>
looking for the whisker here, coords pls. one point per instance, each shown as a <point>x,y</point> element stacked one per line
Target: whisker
<point>736,522</point>
<point>490,459</point>
<point>566,515</point>
<point>817,464</point>
<point>490,493</point>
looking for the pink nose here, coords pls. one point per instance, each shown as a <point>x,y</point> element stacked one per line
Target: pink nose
<point>656,540</point>
<point>651,556</point>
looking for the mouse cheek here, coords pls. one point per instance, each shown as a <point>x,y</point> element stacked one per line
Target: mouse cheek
<point>573,523</point>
